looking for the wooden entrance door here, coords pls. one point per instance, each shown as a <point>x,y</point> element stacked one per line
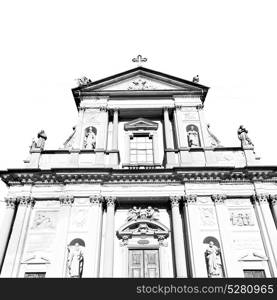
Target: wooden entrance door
<point>144,264</point>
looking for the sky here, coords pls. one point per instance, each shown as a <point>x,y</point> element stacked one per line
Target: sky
<point>46,45</point>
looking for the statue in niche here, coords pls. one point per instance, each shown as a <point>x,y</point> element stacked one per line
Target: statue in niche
<point>69,142</point>
<point>243,137</point>
<point>40,143</point>
<point>75,260</point>
<point>143,213</point>
<point>193,137</point>
<point>213,260</point>
<point>90,138</point>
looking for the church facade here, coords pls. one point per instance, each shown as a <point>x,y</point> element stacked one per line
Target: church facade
<point>141,188</point>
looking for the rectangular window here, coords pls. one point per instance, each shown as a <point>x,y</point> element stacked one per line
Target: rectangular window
<point>254,273</point>
<point>144,264</point>
<point>34,274</point>
<point>141,150</point>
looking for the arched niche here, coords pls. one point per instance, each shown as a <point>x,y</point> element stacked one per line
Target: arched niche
<point>89,142</point>
<point>213,257</point>
<point>193,136</point>
<point>75,258</point>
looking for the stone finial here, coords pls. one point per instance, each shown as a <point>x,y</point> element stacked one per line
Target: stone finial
<point>244,138</point>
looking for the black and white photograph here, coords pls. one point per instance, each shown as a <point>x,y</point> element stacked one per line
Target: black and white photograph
<point>138,141</point>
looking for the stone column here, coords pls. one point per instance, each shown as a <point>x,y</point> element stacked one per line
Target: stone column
<point>114,152</point>
<point>17,238</point>
<point>109,238</point>
<point>93,245</point>
<point>274,207</point>
<point>268,229</point>
<point>169,146</point>
<point>178,236</point>
<point>231,265</point>
<point>6,226</point>
<point>189,204</point>
<point>58,266</point>
<point>115,130</point>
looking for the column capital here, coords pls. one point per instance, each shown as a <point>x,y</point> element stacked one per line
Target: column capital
<point>66,200</point>
<point>261,198</point>
<point>175,200</point>
<point>11,202</point>
<point>178,106</point>
<point>200,106</point>
<point>273,199</point>
<point>110,201</point>
<point>190,199</point>
<point>25,201</point>
<point>96,199</point>
<point>218,198</point>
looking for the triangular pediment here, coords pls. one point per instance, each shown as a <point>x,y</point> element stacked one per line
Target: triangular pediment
<point>141,79</point>
<point>252,256</point>
<point>36,260</point>
<point>141,123</point>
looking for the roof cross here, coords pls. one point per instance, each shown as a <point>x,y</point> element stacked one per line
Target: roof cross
<point>139,59</point>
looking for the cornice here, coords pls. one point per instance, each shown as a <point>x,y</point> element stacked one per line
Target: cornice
<point>133,176</point>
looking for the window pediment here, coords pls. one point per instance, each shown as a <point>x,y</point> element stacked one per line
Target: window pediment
<point>141,124</point>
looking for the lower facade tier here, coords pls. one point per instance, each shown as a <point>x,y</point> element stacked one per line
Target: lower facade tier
<point>139,231</point>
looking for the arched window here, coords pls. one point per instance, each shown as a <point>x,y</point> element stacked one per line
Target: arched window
<point>193,136</point>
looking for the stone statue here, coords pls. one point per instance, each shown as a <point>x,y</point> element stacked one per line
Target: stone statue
<point>195,79</point>
<point>40,143</point>
<point>243,137</point>
<point>143,213</point>
<point>75,261</point>
<point>69,142</point>
<point>83,81</point>
<point>90,139</point>
<point>193,139</point>
<point>212,255</point>
<point>213,139</point>
<point>133,214</point>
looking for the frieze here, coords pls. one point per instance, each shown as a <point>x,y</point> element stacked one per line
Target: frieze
<point>156,176</point>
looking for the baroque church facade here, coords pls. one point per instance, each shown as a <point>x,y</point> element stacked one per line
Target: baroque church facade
<point>141,188</point>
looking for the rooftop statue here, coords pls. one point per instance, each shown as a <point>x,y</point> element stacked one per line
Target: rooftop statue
<point>83,81</point>
<point>243,137</point>
<point>40,142</point>
<point>195,79</point>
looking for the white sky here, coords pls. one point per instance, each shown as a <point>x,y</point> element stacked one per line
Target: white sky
<point>45,45</point>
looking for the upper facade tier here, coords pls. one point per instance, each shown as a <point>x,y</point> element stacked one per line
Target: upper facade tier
<point>141,119</point>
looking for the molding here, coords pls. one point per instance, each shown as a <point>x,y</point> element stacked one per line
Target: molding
<point>179,175</point>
